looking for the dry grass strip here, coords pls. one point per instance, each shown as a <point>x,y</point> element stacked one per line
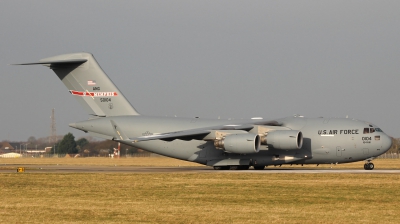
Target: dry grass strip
<point>199,198</point>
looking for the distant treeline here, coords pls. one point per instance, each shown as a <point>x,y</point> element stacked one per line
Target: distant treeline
<point>87,146</point>
<point>82,146</point>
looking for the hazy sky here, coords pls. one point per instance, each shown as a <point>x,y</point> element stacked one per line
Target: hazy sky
<point>233,59</point>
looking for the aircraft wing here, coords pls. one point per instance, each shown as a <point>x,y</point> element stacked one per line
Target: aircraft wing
<point>199,133</point>
<point>170,136</point>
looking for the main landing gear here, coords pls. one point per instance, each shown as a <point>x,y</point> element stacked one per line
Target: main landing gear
<point>369,166</point>
<point>259,167</point>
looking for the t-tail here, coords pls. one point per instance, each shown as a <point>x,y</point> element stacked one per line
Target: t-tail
<point>89,84</point>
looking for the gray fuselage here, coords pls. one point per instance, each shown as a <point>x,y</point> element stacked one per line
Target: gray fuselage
<point>325,140</point>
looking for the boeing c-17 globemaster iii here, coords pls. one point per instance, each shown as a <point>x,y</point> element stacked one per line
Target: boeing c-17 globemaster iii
<point>221,143</point>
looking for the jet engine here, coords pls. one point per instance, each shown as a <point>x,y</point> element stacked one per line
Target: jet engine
<point>239,143</point>
<point>284,139</point>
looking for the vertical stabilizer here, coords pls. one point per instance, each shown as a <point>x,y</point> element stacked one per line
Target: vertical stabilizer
<point>88,83</point>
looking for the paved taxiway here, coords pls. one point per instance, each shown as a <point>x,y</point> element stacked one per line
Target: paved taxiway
<point>5,168</point>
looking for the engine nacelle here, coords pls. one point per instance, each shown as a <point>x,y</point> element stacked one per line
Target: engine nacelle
<point>285,139</point>
<point>239,143</point>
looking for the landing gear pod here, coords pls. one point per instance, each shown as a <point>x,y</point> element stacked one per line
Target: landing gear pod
<point>285,139</point>
<point>240,143</point>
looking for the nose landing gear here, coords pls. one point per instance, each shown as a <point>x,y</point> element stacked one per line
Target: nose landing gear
<point>368,165</point>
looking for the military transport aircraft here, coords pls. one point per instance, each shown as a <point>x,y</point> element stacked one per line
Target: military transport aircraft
<point>223,144</point>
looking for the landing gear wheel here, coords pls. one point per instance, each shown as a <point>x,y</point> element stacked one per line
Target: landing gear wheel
<point>369,166</point>
<point>259,167</point>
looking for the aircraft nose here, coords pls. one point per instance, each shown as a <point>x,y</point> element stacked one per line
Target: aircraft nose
<point>386,142</point>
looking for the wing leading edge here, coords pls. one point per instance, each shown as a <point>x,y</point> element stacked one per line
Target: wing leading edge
<point>199,133</point>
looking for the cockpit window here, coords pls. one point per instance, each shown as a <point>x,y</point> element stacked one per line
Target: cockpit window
<point>371,130</point>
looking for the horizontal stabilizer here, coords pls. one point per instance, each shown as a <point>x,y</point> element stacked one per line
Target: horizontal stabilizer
<point>56,62</point>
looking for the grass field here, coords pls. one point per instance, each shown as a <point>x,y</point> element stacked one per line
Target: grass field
<point>199,197</point>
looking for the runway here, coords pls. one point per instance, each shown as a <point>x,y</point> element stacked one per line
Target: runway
<point>12,168</point>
